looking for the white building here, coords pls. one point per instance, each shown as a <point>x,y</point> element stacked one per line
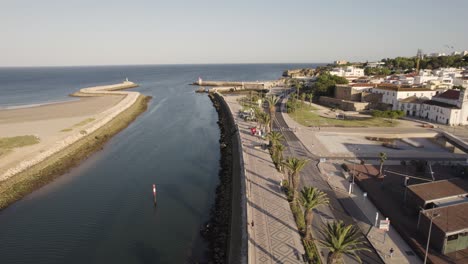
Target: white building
<point>401,79</point>
<point>424,78</point>
<point>463,81</point>
<point>450,107</point>
<point>443,75</point>
<point>340,62</point>
<point>391,93</point>
<point>349,72</point>
<point>436,54</point>
<point>439,85</point>
<point>447,72</point>
<point>412,105</point>
<point>375,64</point>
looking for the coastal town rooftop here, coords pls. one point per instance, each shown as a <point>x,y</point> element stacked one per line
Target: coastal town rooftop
<point>432,191</point>
<point>449,94</point>
<point>399,88</point>
<point>414,100</point>
<point>450,219</point>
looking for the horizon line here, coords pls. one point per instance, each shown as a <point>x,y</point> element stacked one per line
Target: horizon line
<point>156,64</point>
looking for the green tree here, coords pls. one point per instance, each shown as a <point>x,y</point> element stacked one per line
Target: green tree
<point>272,100</point>
<point>341,239</point>
<point>326,82</point>
<point>382,159</point>
<point>310,199</point>
<point>294,167</point>
<point>377,71</point>
<point>275,138</point>
<point>393,115</point>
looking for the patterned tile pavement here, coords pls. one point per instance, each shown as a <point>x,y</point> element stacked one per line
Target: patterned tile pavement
<point>272,231</point>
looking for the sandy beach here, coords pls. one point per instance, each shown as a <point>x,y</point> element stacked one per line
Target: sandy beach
<point>51,123</point>
<point>62,127</point>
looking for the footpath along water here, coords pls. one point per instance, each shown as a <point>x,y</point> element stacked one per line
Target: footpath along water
<point>103,210</point>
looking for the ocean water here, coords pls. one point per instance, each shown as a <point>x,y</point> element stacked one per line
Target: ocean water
<point>102,210</point>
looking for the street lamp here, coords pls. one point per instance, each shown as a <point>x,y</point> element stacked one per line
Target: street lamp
<point>432,217</point>
<point>351,186</point>
<point>354,164</point>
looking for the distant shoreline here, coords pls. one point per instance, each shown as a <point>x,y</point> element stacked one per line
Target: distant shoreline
<point>169,64</point>
<point>34,173</point>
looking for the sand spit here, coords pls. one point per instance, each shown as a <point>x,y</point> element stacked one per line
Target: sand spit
<point>109,112</point>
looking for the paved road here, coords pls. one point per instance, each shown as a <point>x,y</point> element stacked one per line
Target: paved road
<point>311,176</point>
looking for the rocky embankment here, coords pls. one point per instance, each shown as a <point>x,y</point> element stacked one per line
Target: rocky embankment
<point>218,230</point>
<point>306,72</point>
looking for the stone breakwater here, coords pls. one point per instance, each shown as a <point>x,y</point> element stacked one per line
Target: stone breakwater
<point>226,85</point>
<point>101,119</point>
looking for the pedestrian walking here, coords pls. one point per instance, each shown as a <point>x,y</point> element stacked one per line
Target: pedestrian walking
<point>252,223</point>
<point>391,252</point>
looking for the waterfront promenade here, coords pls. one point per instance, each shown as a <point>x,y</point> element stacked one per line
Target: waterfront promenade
<point>272,232</point>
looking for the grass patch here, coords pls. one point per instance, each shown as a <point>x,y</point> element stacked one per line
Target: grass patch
<point>80,124</point>
<point>17,142</point>
<point>308,116</point>
<point>21,184</point>
<point>84,122</point>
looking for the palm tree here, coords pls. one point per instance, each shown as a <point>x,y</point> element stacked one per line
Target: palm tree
<point>264,120</point>
<point>341,239</point>
<point>278,156</point>
<point>311,198</point>
<point>383,158</point>
<point>299,86</point>
<point>275,138</point>
<point>294,166</point>
<point>303,97</point>
<point>310,96</point>
<point>272,100</point>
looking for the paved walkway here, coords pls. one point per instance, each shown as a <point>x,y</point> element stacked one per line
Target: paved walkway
<point>361,209</point>
<point>273,237</point>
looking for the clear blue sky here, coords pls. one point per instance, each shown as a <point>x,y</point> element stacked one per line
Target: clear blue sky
<point>101,32</point>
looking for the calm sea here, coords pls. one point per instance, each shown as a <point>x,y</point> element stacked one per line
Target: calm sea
<point>102,211</point>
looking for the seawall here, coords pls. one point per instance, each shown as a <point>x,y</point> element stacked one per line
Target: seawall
<point>227,231</point>
<point>244,85</point>
<point>56,160</point>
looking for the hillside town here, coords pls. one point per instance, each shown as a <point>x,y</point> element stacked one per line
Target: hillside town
<point>435,95</point>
